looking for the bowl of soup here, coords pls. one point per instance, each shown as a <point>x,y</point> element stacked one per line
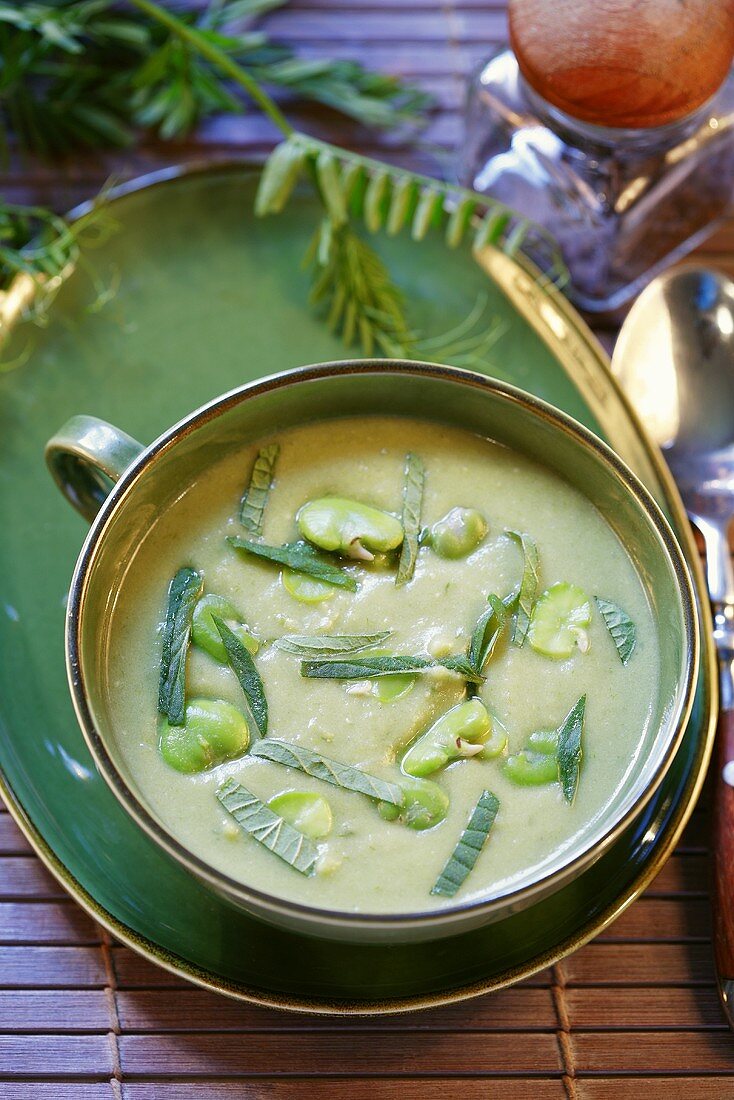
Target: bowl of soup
<point>380,651</point>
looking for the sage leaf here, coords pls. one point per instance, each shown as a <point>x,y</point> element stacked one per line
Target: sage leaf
<point>252,507</point>
<point>415,479</point>
<point>457,662</point>
<point>183,594</point>
<point>620,626</point>
<point>471,842</point>
<point>528,584</point>
<point>367,668</point>
<point>267,827</point>
<point>330,771</point>
<point>569,751</point>
<point>299,557</point>
<point>487,632</point>
<point>243,666</point>
<point>327,645</point>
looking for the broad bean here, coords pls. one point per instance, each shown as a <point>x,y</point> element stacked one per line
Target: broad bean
<point>458,533</point>
<point>461,731</point>
<point>309,813</point>
<point>213,731</point>
<point>205,634</point>
<point>529,769</point>
<point>304,588</point>
<point>559,621</point>
<point>349,527</point>
<point>425,805</point>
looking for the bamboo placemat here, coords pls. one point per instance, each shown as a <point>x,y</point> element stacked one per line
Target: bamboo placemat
<point>633,1014</point>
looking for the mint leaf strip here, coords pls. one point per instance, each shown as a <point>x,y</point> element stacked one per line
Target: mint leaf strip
<point>472,840</point>
<point>267,827</point>
<point>366,668</point>
<point>327,645</point>
<point>298,557</point>
<point>620,626</point>
<point>330,771</point>
<point>183,594</point>
<point>252,507</point>
<point>415,479</point>
<point>528,584</point>
<point>243,666</point>
<point>569,752</point>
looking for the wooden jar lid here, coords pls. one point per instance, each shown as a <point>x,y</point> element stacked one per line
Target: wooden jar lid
<point>624,63</point>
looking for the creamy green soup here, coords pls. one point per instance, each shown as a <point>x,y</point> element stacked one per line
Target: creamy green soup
<point>552,648</point>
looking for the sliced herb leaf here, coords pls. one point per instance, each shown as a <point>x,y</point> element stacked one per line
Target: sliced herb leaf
<point>415,479</point>
<point>183,594</point>
<point>366,668</point>
<point>330,771</point>
<point>244,669</point>
<point>255,497</point>
<point>471,842</point>
<point>487,632</point>
<point>528,584</point>
<point>569,752</point>
<point>327,645</point>
<point>620,626</point>
<point>457,662</point>
<point>267,827</point>
<point>299,557</point>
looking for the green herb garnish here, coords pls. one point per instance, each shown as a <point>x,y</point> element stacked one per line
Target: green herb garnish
<point>329,645</point>
<point>267,827</point>
<point>415,477</point>
<point>243,666</point>
<point>255,496</point>
<point>367,668</point>
<point>569,751</point>
<point>620,626</point>
<point>528,584</point>
<point>330,771</point>
<point>183,594</point>
<point>487,632</point>
<point>471,842</point>
<point>299,557</point>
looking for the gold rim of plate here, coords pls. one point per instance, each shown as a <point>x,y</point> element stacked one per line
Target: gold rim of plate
<point>562,330</point>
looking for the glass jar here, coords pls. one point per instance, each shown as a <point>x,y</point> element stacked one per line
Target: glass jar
<point>620,142</point>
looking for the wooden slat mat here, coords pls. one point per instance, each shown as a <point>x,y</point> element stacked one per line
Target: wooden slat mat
<point>633,1014</point>
<point>634,1010</point>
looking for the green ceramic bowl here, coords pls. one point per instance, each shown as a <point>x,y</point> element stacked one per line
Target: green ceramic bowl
<point>122,487</point>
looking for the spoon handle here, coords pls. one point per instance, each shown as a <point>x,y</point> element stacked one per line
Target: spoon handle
<point>724,860</point>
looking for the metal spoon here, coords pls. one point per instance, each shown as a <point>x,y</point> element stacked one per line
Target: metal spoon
<point>675,360</point>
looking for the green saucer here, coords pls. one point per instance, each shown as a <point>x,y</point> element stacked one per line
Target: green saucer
<point>209,298</point>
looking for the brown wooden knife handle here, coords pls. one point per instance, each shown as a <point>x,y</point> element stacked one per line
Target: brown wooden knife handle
<point>723,841</point>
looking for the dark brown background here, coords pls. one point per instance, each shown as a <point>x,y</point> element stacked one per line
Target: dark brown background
<point>633,1014</point>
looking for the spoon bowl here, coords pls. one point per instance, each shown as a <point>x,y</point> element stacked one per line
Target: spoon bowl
<point>675,359</point>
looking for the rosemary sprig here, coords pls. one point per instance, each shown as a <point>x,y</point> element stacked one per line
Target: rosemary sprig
<point>351,284</point>
<point>89,73</point>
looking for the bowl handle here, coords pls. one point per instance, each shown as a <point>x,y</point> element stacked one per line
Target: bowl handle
<point>86,457</point>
